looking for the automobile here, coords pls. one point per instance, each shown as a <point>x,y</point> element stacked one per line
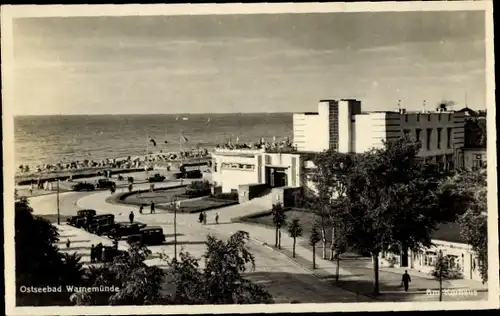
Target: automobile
<point>105,184</point>
<point>124,229</point>
<point>193,174</point>
<point>109,253</point>
<point>157,178</point>
<point>81,215</point>
<point>83,186</point>
<point>152,235</point>
<point>100,220</point>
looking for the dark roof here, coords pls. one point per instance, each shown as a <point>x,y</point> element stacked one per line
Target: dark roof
<point>469,111</point>
<point>310,113</point>
<point>151,227</point>
<point>448,232</point>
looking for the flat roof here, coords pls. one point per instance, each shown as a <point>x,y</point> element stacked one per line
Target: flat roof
<point>309,113</point>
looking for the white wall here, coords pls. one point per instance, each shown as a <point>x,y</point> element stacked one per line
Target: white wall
<point>310,132</point>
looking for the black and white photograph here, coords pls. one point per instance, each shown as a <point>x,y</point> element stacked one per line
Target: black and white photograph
<point>197,157</point>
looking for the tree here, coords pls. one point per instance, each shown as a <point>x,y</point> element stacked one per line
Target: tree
<point>314,238</point>
<point>441,272</point>
<point>327,196</point>
<point>137,283</point>
<point>38,260</point>
<point>221,281</point>
<point>294,230</point>
<point>471,186</point>
<point>279,220</point>
<point>393,200</point>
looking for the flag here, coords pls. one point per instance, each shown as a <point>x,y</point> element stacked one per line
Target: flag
<point>184,138</point>
<point>152,141</point>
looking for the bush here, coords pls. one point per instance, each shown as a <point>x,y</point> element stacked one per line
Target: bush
<point>233,196</point>
<point>198,189</point>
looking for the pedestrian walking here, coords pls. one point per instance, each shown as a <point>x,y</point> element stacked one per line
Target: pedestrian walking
<point>153,211</point>
<point>204,218</point>
<point>141,208</point>
<point>406,280</point>
<point>68,243</point>
<point>92,253</point>
<point>200,217</point>
<point>131,217</point>
<point>216,218</point>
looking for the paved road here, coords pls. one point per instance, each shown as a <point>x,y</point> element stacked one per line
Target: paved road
<point>285,280</point>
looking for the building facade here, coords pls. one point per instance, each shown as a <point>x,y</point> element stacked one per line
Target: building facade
<point>234,167</point>
<point>343,126</point>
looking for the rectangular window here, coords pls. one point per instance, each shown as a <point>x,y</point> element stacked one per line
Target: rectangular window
<point>449,117</point>
<point>429,117</point>
<point>439,117</point>
<point>418,117</point>
<point>406,131</point>
<point>406,117</point>
<point>429,135</point>
<point>448,137</point>
<point>439,137</point>
<point>418,132</point>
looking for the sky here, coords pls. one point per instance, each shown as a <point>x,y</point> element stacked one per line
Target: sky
<point>247,63</point>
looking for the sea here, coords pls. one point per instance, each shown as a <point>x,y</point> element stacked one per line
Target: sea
<point>43,140</point>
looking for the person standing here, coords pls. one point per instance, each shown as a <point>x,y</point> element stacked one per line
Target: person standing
<point>216,218</point>
<point>153,211</point>
<point>406,280</point>
<point>68,243</point>
<point>141,208</point>
<point>131,217</point>
<point>204,218</point>
<point>200,217</point>
<point>92,253</point>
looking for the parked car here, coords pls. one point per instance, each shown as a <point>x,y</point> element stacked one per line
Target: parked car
<point>109,253</point>
<point>105,184</point>
<point>157,178</point>
<point>83,186</point>
<point>148,236</point>
<point>98,221</point>
<point>81,215</point>
<point>124,229</point>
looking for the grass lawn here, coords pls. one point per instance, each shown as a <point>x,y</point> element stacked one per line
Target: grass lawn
<point>307,220</point>
<point>193,206</point>
<point>158,196</point>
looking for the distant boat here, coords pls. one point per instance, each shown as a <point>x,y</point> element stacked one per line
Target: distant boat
<point>185,119</point>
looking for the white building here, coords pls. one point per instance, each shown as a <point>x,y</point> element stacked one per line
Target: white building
<point>343,126</point>
<point>447,241</point>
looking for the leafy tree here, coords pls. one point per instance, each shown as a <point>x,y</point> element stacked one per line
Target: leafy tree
<point>475,132</point>
<point>474,227</point>
<point>138,283</point>
<point>221,281</point>
<point>327,197</point>
<point>314,238</point>
<point>38,260</point>
<point>393,200</point>
<point>279,220</point>
<point>441,272</point>
<point>294,230</point>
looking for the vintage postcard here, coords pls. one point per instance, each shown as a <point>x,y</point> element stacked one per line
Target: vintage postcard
<point>187,159</point>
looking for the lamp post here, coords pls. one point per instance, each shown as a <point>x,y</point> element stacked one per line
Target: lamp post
<point>57,198</point>
<point>174,202</point>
